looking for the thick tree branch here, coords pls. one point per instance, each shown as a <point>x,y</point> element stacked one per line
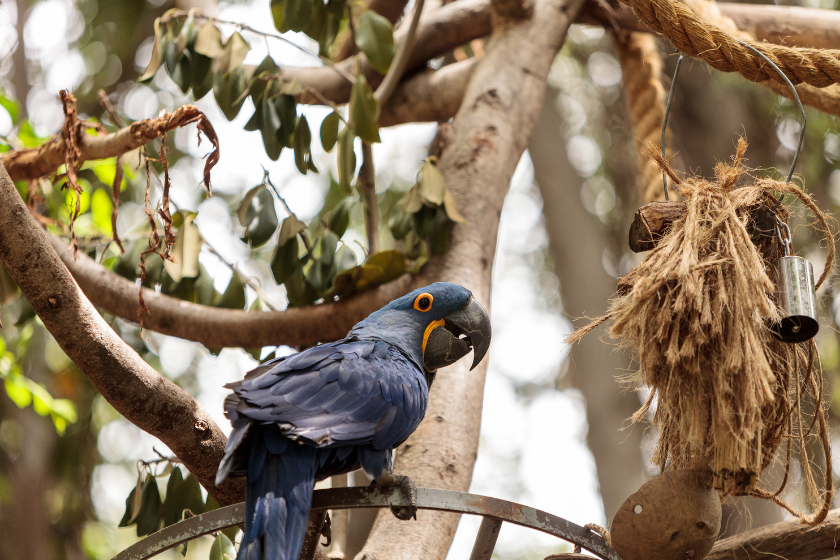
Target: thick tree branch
<point>788,539</point>
<point>217,328</point>
<point>45,159</point>
<point>457,23</point>
<point>392,10</point>
<point>491,131</point>
<point>138,392</point>
<point>430,96</point>
<point>789,25</point>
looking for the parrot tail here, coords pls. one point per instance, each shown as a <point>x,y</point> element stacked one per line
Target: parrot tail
<point>281,477</point>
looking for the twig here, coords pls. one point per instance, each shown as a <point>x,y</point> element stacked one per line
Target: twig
<point>118,173</point>
<point>303,236</point>
<point>398,65</point>
<point>248,28</point>
<point>367,188</point>
<point>245,278</point>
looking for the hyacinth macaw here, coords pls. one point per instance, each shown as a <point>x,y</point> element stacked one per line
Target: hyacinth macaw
<point>341,406</point>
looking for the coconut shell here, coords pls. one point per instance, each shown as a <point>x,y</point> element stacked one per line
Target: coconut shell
<point>675,516</point>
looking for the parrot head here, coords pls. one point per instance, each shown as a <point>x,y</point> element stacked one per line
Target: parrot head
<point>435,326</point>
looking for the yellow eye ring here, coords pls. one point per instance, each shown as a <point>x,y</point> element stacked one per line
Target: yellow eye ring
<point>423,302</point>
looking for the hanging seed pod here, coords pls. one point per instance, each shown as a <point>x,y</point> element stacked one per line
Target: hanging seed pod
<point>675,516</point>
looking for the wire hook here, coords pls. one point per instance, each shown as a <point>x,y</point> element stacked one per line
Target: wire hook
<point>795,96</point>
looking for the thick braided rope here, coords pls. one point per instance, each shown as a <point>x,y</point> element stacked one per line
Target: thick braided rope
<point>641,67</point>
<point>826,100</point>
<point>708,42</point>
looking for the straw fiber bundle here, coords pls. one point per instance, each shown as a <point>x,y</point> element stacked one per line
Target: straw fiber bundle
<point>697,313</point>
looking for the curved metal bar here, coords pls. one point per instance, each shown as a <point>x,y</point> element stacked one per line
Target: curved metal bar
<point>377,497</point>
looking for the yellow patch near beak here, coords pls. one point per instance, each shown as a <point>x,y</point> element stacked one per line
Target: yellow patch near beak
<point>432,326</point>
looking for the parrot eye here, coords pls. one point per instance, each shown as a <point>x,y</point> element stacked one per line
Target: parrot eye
<point>423,302</point>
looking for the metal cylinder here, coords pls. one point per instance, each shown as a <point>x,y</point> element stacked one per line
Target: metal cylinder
<point>796,297</point>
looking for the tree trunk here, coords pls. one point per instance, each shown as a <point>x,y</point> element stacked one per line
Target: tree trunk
<point>491,131</point>
<point>576,242</point>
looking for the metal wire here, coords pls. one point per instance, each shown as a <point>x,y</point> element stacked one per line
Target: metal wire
<point>665,122</point>
<point>795,96</point>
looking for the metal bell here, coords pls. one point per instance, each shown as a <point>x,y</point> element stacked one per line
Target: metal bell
<point>795,295</point>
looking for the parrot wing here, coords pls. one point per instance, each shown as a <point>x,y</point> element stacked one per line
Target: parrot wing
<point>350,392</point>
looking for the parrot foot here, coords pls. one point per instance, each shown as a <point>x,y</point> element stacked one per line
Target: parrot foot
<point>408,489</point>
<point>326,530</point>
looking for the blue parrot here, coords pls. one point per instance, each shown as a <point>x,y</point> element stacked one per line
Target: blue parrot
<point>341,406</point>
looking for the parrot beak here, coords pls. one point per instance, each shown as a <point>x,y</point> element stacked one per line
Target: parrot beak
<point>468,328</point>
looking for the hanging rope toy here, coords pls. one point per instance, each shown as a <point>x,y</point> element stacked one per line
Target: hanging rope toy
<point>700,313</point>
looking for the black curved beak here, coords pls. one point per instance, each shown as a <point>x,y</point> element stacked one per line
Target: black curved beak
<point>466,329</point>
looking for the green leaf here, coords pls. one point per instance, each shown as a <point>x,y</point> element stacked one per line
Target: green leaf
<point>412,201</point>
<point>451,208</point>
<point>332,24</point>
<point>258,216</point>
<point>148,518</point>
<point>181,494</point>
<point>277,8</point>
<point>302,140</point>
<point>258,86</point>
<point>299,291</point>
<point>432,185</point>
<point>100,208</point>
<point>255,122</point>
<point>364,111</point>
<point>316,21</point>
<point>10,105</point>
<point>439,236</point>
<point>345,258</point>
<point>208,41</point>
<point>270,126</point>
<point>133,503</point>
<point>346,158</point>
<point>156,59</point>
<point>375,38</point>
<point>296,14</point>
<point>228,89</point>
<point>329,131</point>
<point>234,52</point>
<point>170,511</point>
<point>234,296</point>
<point>287,111</point>
<point>222,548</point>
<point>201,80</point>
<point>400,224</point>
<point>340,217</point>
<point>290,228</point>
<point>284,261</point>
<point>188,244</point>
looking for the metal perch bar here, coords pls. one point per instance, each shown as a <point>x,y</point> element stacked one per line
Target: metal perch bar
<point>493,510</point>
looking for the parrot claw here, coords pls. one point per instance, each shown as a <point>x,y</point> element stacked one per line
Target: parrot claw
<point>326,530</point>
<point>408,489</point>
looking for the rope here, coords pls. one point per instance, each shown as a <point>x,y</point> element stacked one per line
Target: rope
<point>641,66</point>
<point>699,39</point>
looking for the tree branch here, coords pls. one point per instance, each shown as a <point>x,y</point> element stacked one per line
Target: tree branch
<point>366,185</point>
<point>787,539</point>
<point>397,68</point>
<point>218,328</point>
<point>138,392</point>
<point>491,130</point>
<point>46,159</point>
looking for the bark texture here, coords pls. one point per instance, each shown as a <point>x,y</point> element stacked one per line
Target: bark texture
<point>135,389</point>
<point>586,288</point>
<point>491,131</point>
<point>787,539</point>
